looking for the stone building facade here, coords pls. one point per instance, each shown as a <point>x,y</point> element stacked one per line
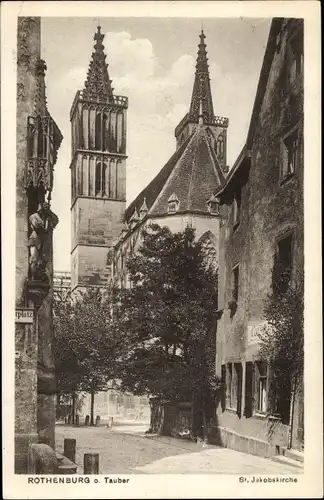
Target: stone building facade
<point>182,192</point>
<point>261,205</point>
<point>38,140</point>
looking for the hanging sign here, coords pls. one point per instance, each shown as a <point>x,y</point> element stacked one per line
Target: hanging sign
<point>24,315</point>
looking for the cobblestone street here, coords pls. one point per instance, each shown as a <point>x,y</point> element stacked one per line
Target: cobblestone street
<point>125,449</point>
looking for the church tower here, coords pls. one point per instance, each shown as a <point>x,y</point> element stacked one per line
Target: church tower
<point>98,171</point>
<point>202,98</point>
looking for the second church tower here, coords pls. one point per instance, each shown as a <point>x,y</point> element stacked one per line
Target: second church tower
<point>98,171</point>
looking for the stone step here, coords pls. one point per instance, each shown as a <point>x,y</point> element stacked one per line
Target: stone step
<point>64,465</point>
<point>294,454</point>
<point>281,459</point>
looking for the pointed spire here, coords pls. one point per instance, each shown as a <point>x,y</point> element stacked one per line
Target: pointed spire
<point>134,219</point>
<point>201,89</point>
<point>143,210</point>
<point>98,84</point>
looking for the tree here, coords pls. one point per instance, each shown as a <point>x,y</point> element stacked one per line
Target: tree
<point>282,341</point>
<point>85,349</point>
<point>167,321</point>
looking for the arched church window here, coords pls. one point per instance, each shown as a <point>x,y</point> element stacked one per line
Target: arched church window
<point>98,132</point>
<point>98,179</point>
<point>209,250</point>
<point>220,147</point>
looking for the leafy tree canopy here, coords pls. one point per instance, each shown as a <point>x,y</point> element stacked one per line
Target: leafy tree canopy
<point>166,317</point>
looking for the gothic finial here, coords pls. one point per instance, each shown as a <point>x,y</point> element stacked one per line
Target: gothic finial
<point>98,37</point>
<point>98,83</point>
<point>201,89</point>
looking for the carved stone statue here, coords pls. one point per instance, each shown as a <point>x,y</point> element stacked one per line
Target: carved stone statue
<point>42,222</point>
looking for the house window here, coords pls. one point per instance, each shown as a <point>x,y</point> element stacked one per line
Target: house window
<point>249,378</point>
<point>284,258</point>
<point>213,205</point>
<point>261,387</point>
<point>237,388</point>
<point>223,389</point>
<point>237,206</point>
<point>236,283</point>
<point>289,155</point>
<point>229,385</point>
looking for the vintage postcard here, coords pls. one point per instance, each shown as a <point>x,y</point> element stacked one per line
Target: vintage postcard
<point>161,250</point>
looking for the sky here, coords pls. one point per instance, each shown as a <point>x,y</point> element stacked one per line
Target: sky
<point>152,62</point>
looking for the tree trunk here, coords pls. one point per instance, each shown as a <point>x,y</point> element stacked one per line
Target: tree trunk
<point>291,413</point>
<point>73,407</point>
<point>92,408</point>
<point>197,417</point>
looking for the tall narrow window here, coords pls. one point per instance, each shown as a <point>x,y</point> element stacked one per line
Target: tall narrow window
<point>112,132</point>
<point>261,387</point>
<point>284,259</point>
<point>237,206</point>
<point>223,389</point>
<point>237,388</point>
<point>229,385</point>
<point>103,179</point>
<point>119,132</point>
<point>220,148</point>
<point>248,410</point>
<point>40,142</point>
<point>236,283</point>
<point>289,158</point>
<point>98,132</point>
<point>104,132</point>
<point>81,178</point>
<point>98,179</point>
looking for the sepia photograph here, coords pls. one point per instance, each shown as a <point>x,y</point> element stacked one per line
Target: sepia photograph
<point>159,235</point>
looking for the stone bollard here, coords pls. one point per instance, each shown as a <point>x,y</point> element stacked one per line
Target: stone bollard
<point>91,463</point>
<point>69,419</point>
<point>111,419</point>
<point>77,420</point>
<point>41,459</point>
<point>97,420</point>
<point>69,449</point>
<point>87,420</point>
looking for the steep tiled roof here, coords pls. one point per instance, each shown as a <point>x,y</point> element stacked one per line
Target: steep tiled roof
<point>152,190</point>
<point>193,174</point>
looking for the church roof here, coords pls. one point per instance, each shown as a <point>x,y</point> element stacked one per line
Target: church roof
<point>152,190</point>
<point>193,174</point>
